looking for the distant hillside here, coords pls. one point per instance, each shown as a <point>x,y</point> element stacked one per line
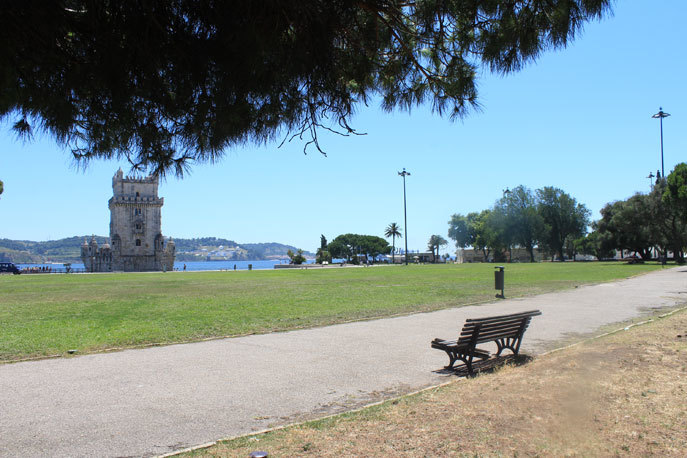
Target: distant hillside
<point>26,251</point>
<point>212,248</point>
<point>199,249</point>
<point>194,244</point>
<point>271,250</point>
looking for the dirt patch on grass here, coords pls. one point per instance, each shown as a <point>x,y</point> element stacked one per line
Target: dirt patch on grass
<point>622,395</point>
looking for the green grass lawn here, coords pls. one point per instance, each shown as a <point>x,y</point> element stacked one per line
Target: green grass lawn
<point>50,314</point>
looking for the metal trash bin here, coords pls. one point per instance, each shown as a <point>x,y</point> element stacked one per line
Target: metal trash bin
<point>499,280</point>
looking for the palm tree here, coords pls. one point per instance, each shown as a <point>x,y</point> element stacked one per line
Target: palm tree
<point>393,231</point>
<point>436,241</point>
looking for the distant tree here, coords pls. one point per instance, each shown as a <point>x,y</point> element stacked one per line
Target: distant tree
<point>562,217</point>
<point>645,222</point>
<point>594,244</point>
<point>503,236</point>
<point>628,225</point>
<point>476,230</point>
<point>666,224</point>
<point>393,231</point>
<point>521,223</point>
<point>569,246</point>
<point>322,254</point>
<point>675,200</point>
<point>434,243</point>
<point>166,84</point>
<point>338,249</point>
<point>461,229</point>
<point>296,258</point>
<point>607,228</point>
<point>373,246</point>
<point>430,247</point>
<point>487,235</point>
<point>350,246</point>
<point>499,237</point>
<point>522,218</point>
<point>2,187</point>
<point>344,246</point>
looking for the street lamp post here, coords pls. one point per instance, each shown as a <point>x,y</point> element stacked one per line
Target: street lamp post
<point>660,115</point>
<point>404,174</point>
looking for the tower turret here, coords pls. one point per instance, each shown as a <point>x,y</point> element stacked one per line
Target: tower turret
<point>93,246</point>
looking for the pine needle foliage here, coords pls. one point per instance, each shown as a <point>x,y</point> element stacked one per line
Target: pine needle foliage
<point>168,84</point>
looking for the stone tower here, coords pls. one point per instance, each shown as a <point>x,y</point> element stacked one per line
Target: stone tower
<point>136,241</point>
<point>136,226</point>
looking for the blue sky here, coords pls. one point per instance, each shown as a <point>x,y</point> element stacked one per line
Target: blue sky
<point>578,119</point>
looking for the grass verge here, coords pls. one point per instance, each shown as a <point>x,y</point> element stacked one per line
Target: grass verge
<point>620,395</point>
<point>43,315</point>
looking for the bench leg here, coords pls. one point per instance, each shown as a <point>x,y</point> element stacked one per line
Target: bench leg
<point>468,364</point>
<point>511,343</point>
<point>466,359</point>
<point>452,359</point>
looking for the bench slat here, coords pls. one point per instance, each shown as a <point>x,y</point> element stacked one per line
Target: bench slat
<point>496,335</point>
<point>496,318</point>
<point>496,325</point>
<point>505,327</point>
<point>492,322</point>
<point>489,336</point>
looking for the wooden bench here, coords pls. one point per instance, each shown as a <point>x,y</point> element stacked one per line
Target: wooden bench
<point>505,330</point>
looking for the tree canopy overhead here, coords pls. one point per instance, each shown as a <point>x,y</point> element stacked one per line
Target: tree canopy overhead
<point>166,84</point>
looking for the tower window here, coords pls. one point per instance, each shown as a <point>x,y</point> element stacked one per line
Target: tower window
<point>138,242</point>
<point>138,226</point>
<point>138,194</point>
<point>137,211</point>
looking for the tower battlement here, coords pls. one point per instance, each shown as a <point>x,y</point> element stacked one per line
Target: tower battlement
<point>134,188</point>
<point>134,179</point>
<point>119,176</point>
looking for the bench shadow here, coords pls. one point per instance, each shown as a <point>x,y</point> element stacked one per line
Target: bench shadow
<point>486,366</point>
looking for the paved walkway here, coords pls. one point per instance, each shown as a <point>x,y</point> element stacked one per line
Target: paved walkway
<point>156,400</point>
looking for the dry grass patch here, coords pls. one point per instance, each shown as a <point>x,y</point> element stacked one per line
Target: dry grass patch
<point>622,395</point>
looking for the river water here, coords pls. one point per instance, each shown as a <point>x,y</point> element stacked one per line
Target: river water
<point>190,265</point>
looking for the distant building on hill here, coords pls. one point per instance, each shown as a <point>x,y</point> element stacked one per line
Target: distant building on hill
<point>136,241</point>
